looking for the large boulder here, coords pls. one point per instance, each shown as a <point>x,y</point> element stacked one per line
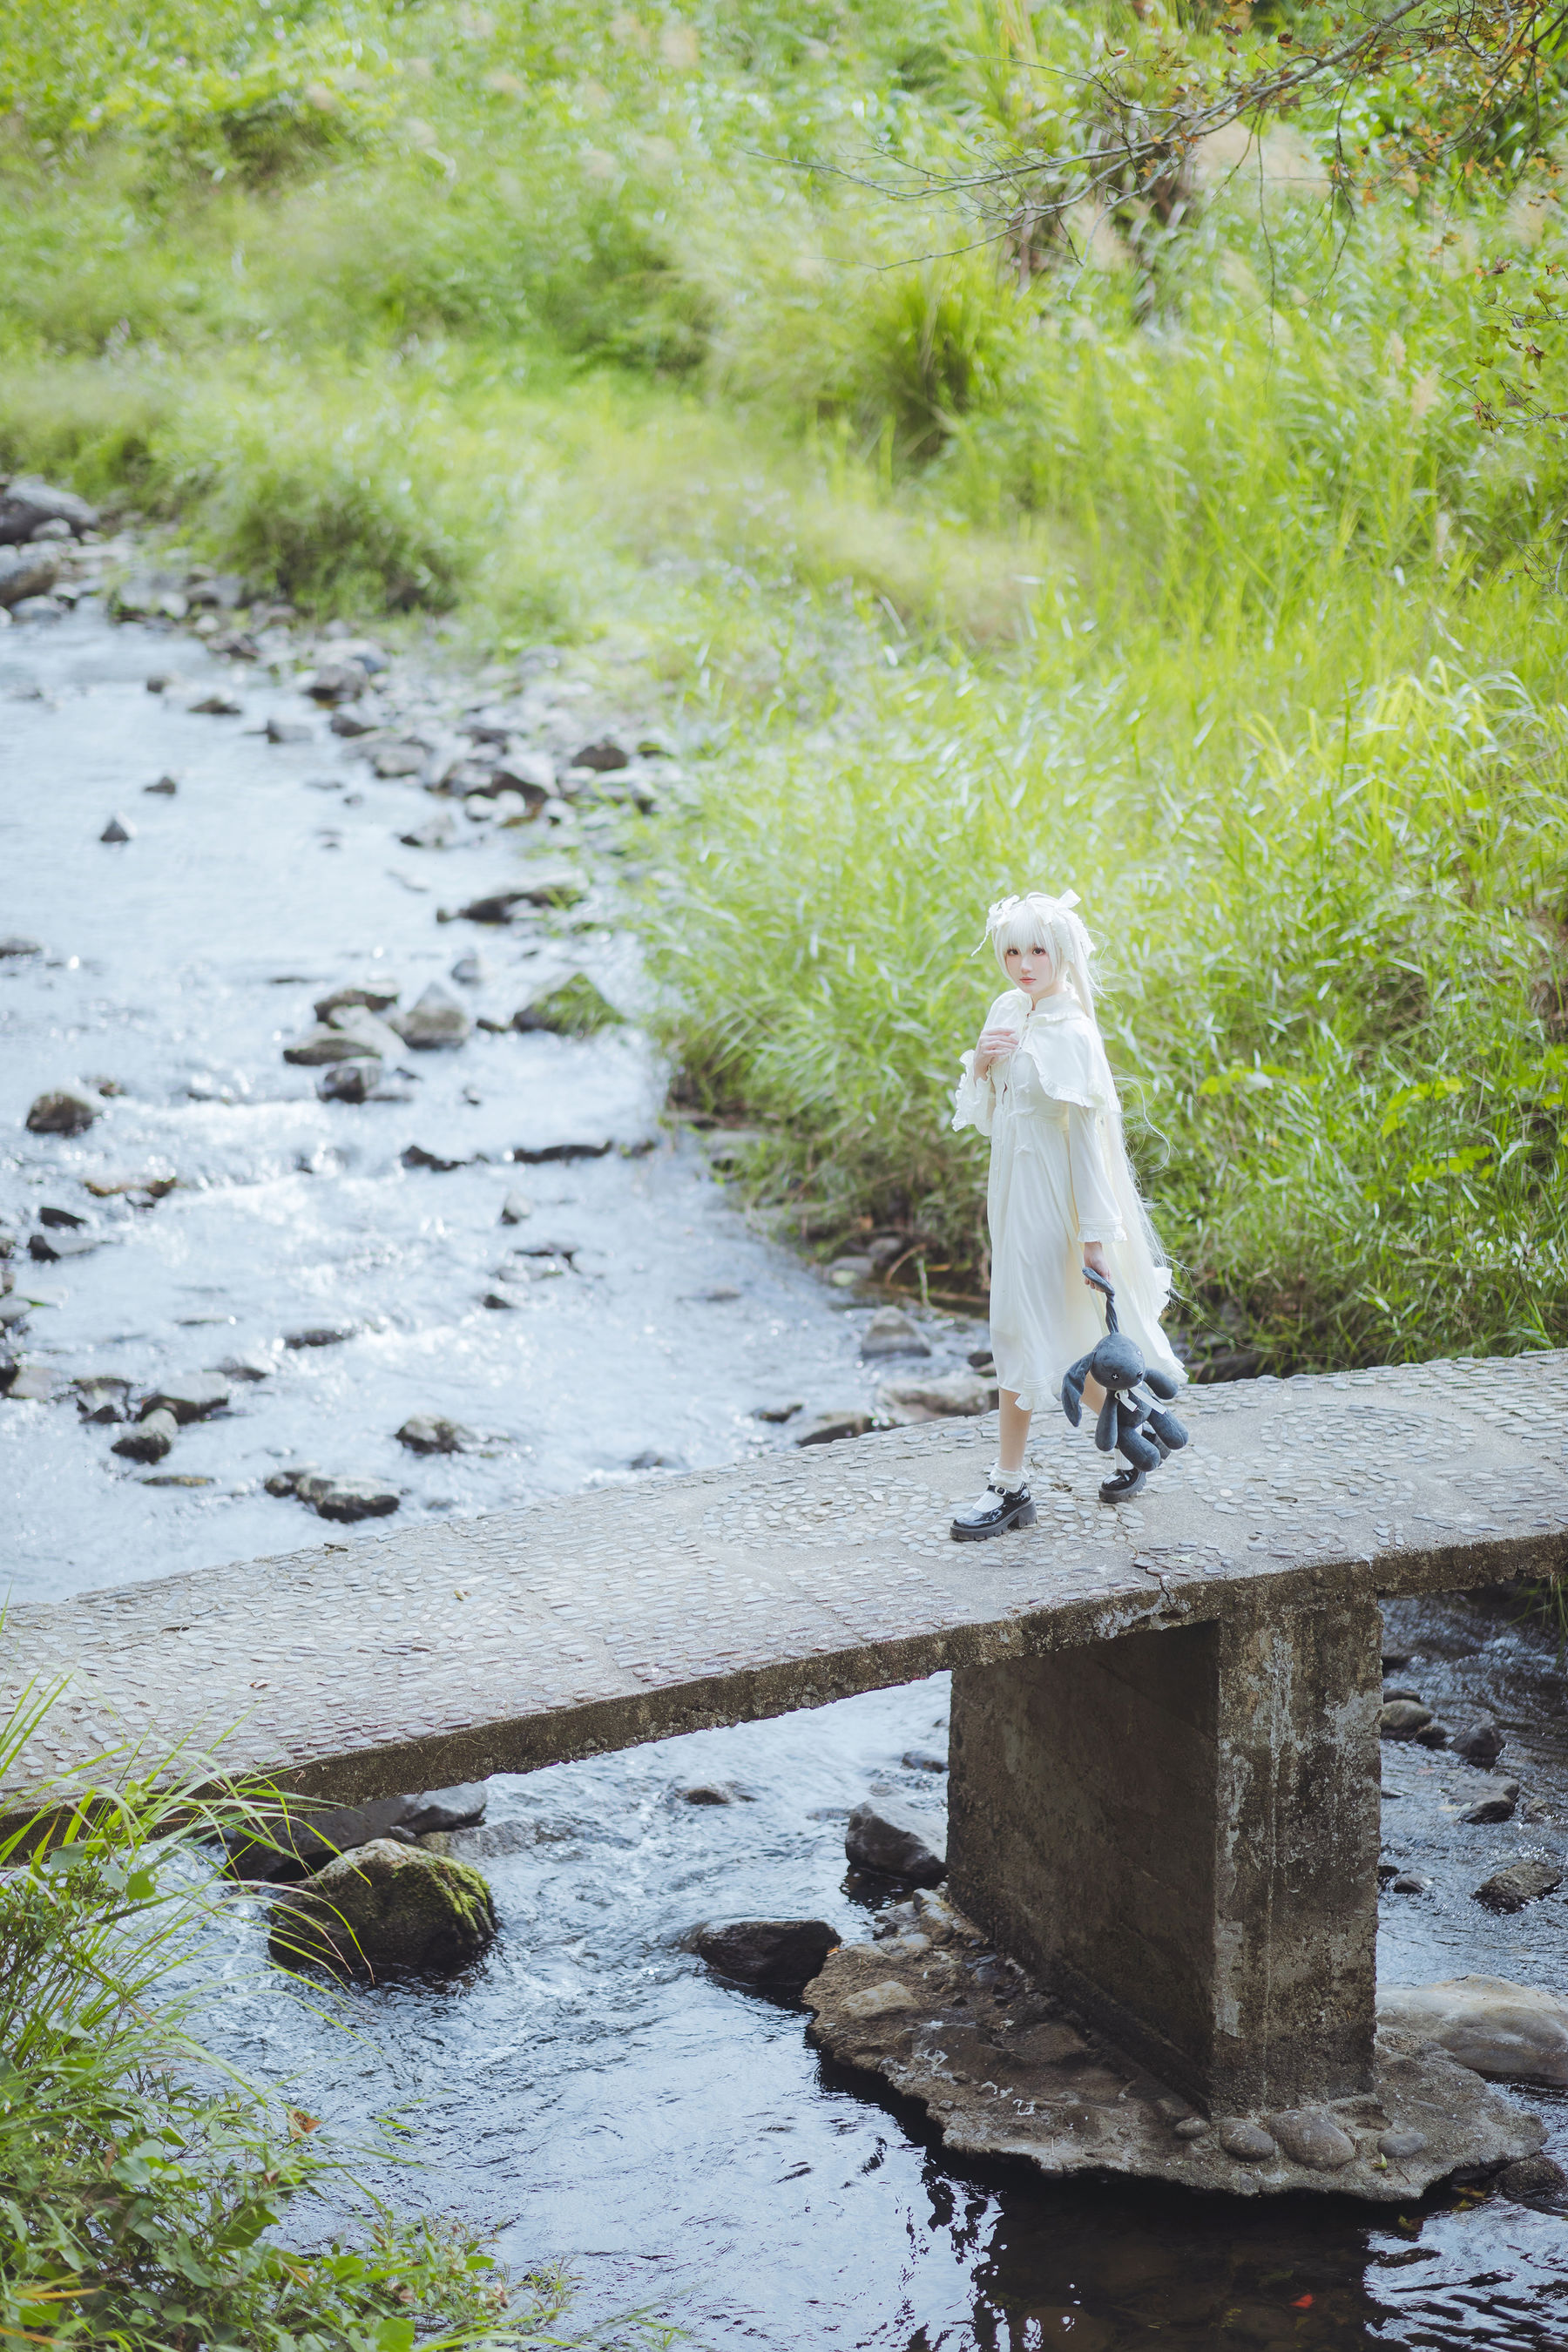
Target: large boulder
<point>888,1836</point>
<point>385,1907</point>
<point>1509,2033</point>
<point>25,505</point>
<point>786,1953</point>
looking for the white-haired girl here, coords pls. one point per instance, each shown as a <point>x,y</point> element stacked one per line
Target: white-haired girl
<point>1063,1202</point>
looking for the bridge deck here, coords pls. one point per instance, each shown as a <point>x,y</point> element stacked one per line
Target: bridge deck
<point>445,1653</point>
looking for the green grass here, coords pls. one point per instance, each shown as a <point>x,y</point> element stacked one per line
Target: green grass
<point>1190,580</point>
<point>147,2192</point>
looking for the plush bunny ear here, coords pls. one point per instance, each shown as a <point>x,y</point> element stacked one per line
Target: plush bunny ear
<point>1072,1389</point>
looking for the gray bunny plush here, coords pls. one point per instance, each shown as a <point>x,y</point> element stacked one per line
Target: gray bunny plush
<point>1129,1424</point>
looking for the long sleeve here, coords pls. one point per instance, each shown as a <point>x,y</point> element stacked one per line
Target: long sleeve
<point>974,1104</point>
<point>1099,1217</point>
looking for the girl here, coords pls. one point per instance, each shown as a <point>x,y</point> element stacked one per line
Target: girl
<point>1062,1201</point>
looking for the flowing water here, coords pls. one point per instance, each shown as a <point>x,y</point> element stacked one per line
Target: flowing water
<point>589,2091</point>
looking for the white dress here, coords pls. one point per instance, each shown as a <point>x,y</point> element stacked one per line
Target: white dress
<point>1059,1177</point>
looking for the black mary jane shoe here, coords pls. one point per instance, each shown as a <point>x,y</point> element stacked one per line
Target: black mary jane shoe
<point>994,1513</point>
<point>1125,1483</point>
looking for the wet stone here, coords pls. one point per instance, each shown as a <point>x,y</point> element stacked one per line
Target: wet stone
<point>890,1332</point>
<point>150,1440</point>
<point>1520,1883</point>
<point>1495,1802</point>
<point>785,1953</point>
<point>428,1433</point>
<point>1399,2145</point>
<point>1509,2033</point>
<point>189,1399</point>
<point>321,1335</point>
<point>116,830</point>
<point>65,1111</point>
<point>366,1000</point>
<point>1248,2142</point>
<point>288,730</point>
<point>435,1019</point>
<point>516,1209</point>
<point>1402,1719</point>
<point>891,1838</point>
<point>386,1906</point>
<point>1529,2177</point>
<point>1482,1743</point>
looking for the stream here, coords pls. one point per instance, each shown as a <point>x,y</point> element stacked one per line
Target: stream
<point>590,2092</point>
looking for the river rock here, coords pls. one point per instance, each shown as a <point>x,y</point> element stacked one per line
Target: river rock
<point>286,731</point>
<point>32,574</point>
<point>1509,2033</point>
<point>350,723</point>
<point>336,682</point>
<point>321,1335</point>
<point>416,1155</point>
<point>347,1037</point>
<point>434,1019</point>
<point>349,1082</point>
<point>573,1008</point>
<point>827,1428</point>
<point>553,886</point>
<point>65,1111</point>
<point>1402,1718</point>
<point>528,772</point>
<point>26,506</point>
<point>399,760</point>
<point>1495,1801</point>
<point>386,1906</point>
<point>50,1248</point>
<point>428,1433</point>
<point>604,756</point>
<point>1310,2137</point>
<point>1248,2142</point>
<point>194,1399</point>
<point>166,787</point>
<point>924,1759</point>
<point>962,1394</point>
<point>892,1333</point>
<point>150,1440</point>
<point>102,1400</point>
<point>1520,1883</point>
<point>1482,1743</point>
<point>1398,2146</point>
<point>885,1835</point>
<point>116,830</point>
<point>339,999</point>
<point>219,704</point>
<point>783,1952</point>
<point>470,970</point>
<point>1528,2177</point>
<point>516,1209</point>
<point>13,944</point>
<point>348,1500</point>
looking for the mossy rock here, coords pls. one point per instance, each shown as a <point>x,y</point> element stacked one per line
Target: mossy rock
<point>573,1009</point>
<point>385,1907</point>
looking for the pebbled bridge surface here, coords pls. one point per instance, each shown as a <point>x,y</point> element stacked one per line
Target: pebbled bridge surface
<point>446,1653</point>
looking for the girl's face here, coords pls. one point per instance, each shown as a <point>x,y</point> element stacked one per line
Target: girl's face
<point>1030,969</point>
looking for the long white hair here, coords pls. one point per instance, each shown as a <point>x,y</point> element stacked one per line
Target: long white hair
<point>1051,928</point>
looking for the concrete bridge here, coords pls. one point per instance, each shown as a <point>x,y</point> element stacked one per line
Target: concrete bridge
<point>1163,1800</point>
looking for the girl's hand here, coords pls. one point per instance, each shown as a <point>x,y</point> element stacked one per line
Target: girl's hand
<point>994,1046</point>
<point>1094,1257</point>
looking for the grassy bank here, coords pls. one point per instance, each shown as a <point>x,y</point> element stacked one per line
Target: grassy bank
<point>151,2198</point>
<point>1188,578</point>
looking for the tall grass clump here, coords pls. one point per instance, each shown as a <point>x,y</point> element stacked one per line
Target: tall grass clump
<point>147,2190</point>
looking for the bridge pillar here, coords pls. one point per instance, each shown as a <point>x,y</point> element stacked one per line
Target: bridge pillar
<point>1179,1832</point>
